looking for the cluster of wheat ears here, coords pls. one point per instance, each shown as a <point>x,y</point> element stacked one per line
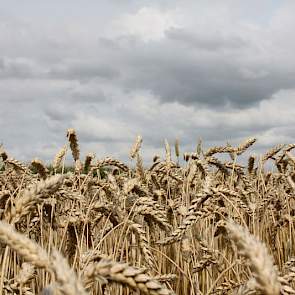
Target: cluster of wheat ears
<point>208,226</point>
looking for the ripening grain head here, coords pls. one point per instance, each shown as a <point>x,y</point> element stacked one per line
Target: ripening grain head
<point>261,263</point>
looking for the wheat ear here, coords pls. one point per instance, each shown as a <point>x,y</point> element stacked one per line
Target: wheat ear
<point>33,195</point>
<point>68,284</point>
<point>136,147</point>
<point>40,168</point>
<point>59,157</point>
<point>261,263</point>
<point>72,137</point>
<point>109,271</point>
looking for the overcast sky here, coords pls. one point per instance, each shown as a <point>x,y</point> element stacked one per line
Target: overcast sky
<point>112,69</point>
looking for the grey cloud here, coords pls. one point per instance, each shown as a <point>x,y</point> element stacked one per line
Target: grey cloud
<point>177,74</point>
<point>191,67</point>
<point>87,137</point>
<point>83,70</point>
<point>19,68</point>
<point>208,76</point>
<point>87,95</point>
<point>58,112</point>
<point>203,41</point>
<point>219,81</point>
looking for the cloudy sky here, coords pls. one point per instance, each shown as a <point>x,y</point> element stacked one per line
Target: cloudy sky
<point>219,70</point>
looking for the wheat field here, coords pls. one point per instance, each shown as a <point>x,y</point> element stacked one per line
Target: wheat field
<point>205,226</point>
